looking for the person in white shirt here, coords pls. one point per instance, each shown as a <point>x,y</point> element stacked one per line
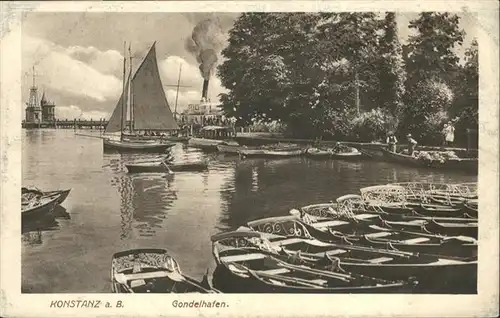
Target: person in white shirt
<point>450,134</point>
<point>412,143</point>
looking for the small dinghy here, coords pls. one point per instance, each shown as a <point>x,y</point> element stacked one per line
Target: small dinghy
<point>63,194</point>
<point>155,167</point>
<point>316,152</point>
<point>152,271</point>
<point>230,149</point>
<point>247,263</point>
<point>273,151</point>
<point>338,151</point>
<point>35,204</point>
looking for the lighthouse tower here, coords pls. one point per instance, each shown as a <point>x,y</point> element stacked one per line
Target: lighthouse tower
<point>33,108</point>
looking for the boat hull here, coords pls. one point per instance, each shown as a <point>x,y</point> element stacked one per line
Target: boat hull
<point>227,281</point>
<point>46,207</point>
<point>316,153</point>
<point>232,150</point>
<point>112,145</point>
<point>272,153</point>
<point>158,138</point>
<point>152,168</point>
<point>462,164</point>
<point>459,278</point>
<point>206,144</point>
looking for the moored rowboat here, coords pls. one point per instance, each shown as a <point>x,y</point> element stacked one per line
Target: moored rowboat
<point>152,271</point>
<point>463,164</point>
<point>276,151</point>
<point>245,265</point>
<point>163,167</point>
<point>38,205</point>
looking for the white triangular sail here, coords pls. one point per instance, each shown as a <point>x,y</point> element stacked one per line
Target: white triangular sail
<point>117,121</point>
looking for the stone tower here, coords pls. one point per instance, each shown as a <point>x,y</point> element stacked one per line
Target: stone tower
<point>33,108</point>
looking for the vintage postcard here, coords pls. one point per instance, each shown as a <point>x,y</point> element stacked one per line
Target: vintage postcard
<point>249,158</point>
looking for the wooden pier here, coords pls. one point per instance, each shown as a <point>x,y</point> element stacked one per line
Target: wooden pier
<point>68,124</point>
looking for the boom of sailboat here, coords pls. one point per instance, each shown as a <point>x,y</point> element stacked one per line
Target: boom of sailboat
<point>144,97</point>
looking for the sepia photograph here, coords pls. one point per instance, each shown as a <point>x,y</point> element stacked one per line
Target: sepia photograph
<point>250,152</point>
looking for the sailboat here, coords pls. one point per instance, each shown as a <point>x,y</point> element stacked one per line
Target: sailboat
<point>144,96</point>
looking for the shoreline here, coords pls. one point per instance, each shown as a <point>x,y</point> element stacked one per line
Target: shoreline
<point>254,138</point>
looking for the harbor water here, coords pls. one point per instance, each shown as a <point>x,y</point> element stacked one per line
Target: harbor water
<point>110,210</point>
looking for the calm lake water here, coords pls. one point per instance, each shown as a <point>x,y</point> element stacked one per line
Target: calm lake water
<point>109,210</point>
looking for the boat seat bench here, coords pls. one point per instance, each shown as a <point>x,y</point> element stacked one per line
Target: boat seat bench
<point>287,241</point>
<point>329,224</point>
<point>416,240</point>
<point>378,234</point>
<point>380,260</point>
<point>242,257</point>
<point>332,252</point>
<point>275,271</point>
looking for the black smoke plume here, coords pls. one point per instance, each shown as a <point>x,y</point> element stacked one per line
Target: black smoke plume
<point>206,42</point>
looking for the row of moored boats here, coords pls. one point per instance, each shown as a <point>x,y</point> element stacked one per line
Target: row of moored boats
<point>406,237</point>
<point>410,237</point>
<point>268,151</point>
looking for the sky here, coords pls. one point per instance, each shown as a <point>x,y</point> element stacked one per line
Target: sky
<point>78,57</point>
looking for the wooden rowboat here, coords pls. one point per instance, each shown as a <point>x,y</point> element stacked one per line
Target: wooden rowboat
<point>352,154</point>
<point>336,231</point>
<point>462,164</point>
<point>152,271</point>
<point>242,266</point>
<point>63,194</point>
<point>155,167</point>
<point>463,227</point>
<point>440,275</point>
<point>230,149</point>
<point>271,152</point>
<point>32,206</point>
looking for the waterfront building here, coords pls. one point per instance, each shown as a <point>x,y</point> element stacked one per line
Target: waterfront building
<point>202,113</point>
<point>48,109</point>
<point>33,107</point>
<point>41,112</point>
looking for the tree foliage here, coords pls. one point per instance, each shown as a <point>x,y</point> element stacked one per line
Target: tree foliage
<point>306,70</point>
<point>431,64</point>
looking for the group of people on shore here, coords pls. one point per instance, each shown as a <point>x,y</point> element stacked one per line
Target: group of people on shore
<point>448,133</point>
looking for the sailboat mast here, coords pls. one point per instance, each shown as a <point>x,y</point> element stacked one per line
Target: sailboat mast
<point>177,94</point>
<point>130,94</point>
<point>124,105</point>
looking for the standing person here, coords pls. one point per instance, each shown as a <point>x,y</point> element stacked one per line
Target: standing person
<point>391,141</point>
<point>445,133</point>
<point>412,143</point>
<point>450,134</point>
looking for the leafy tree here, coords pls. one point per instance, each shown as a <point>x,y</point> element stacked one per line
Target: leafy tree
<point>352,38</point>
<point>430,63</point>
<point>430,51</point>
<point>267,68</point>
<point>392,72</point>
<point>466,103</point>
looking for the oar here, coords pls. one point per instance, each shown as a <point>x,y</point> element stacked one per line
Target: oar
<point>169,171</point>
<point>364,153</point>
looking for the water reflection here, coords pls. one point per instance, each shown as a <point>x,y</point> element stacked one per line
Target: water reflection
<point>145,199</point>
<point>258,188</point>
<point>32,228</point>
